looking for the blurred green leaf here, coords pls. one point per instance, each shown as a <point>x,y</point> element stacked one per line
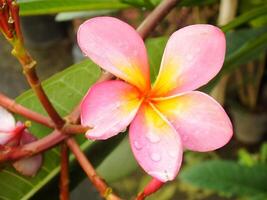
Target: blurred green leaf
<point>229,178</point>
<point>155,48</point>
<point>189,3</point>
<point>244,18</point>
<point>242,46</point>
<point>120,160</point>
<point>39,7</point>
<point>66,16</point>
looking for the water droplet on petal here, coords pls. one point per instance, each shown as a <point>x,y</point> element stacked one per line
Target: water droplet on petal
<point>172,154</point>
<point>137,145</point>
<point>153,138</point>
<point>155,157</point>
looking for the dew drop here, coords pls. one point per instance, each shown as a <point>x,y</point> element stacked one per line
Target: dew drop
<point>153,138</point>
<point>137,145</point>
<point>172,154</point>
<point>155,157</point>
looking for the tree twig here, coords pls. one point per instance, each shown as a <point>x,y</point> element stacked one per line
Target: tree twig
<point>64,172</point>
<point>97,181</point>
<point>14,107</point>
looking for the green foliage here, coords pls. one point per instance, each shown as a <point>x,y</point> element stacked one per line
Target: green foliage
<point>228,178</point>
<point>65,90</point>
<point>155,48</point>
<point>246,17</point>
<point>38,7</point>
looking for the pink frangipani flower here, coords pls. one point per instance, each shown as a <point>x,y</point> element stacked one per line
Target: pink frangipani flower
<point>8,129</point>
<point>168,116</point>
<point>16,134</point>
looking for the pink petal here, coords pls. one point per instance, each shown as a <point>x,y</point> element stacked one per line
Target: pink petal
<point>201,122</point>
<point>108,108</point>
<point>28,166</point>
<point>117,48</point>
<point>7,125</point>
<point>155,144</point>
<point>192,57</point>
<point>7,120</point>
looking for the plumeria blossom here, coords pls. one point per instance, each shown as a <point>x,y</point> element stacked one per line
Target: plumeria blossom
<point>168,116</point>
<point>15,134</point>
<point>8,129</point>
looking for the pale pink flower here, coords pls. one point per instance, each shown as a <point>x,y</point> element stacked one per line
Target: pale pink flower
<point>16,134</point>
<point>168,116</point>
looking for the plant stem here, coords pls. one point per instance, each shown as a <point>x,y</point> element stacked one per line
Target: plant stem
<point>153,186</point>
<point>27,150</point>
<point>64,172</point>
<point>14,107</point>
<point>155,17</point>
<point>97,181</point>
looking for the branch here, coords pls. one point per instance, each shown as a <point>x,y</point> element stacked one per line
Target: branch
<point>155,17</point>
<point>48,142</point>
<point>14,107</point>
<point>64,172</point>
<point>97,181</point>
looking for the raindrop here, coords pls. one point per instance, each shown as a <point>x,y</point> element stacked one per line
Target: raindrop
<point>137,145</point>
<point>172,154</point>
<point>153,138</point>
<point>155,157</point>
<point>166,174</point>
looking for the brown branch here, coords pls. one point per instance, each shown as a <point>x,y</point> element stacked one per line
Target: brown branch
<point>64,172</point>
<point>97,181</point>
<point>33,80</point>
<point>48,142</point>
<point>14,107</point>
<point>155,17</point>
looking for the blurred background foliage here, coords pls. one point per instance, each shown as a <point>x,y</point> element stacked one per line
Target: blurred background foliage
<point>237,171</point>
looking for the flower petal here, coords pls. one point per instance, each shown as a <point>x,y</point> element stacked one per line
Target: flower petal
<point>156,144</point>
<point>117,48</point>
<point>108,108</point>
<point>7,125</point>
<point>7,120</point>
<point>201,122</point>
<point>192,57</point>
<point>28,166</point>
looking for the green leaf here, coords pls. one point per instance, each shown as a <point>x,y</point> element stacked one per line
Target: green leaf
<point>66,16</point>
<point>242,46</point>
<point>155,48</point>
<point>65,90</point>
<point>38,7</point>
<point>228,177</point>
<point>120,160</point>
<point>247,16</point>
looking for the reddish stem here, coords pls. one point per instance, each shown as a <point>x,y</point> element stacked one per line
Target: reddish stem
<point>15,153</point>
<point>97,181</point>
<point>153,186</point>
<point>64,172</point>
<point>11,105</point>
